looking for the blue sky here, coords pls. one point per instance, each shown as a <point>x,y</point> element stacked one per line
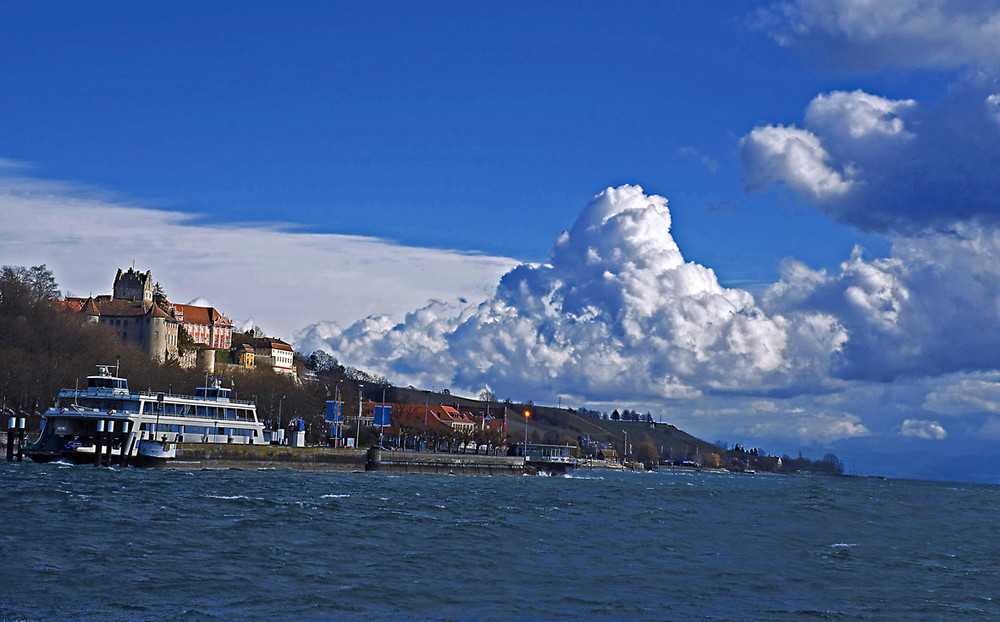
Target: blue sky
<point>478,126</point>
<point>378,168</point>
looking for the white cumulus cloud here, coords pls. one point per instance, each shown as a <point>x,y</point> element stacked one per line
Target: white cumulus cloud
<point>930,309</point>
<point>920,428</point>
<point>852,116</point>
<point>794,156</point>
<point>885,165</point>
<point>616,310</point>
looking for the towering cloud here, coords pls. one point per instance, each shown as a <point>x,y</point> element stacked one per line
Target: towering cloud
<point>617,310</point>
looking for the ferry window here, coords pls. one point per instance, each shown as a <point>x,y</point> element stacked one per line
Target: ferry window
<point>202,411</point>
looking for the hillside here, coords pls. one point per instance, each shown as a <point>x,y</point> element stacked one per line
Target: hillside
<point>549,424</point>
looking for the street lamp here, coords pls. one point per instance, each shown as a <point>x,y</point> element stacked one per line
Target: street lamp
<point>527,415</point>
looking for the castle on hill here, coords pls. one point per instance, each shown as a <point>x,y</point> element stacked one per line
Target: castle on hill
<point>141,315</point>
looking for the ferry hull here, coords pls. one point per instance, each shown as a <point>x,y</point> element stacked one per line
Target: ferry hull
<point>71,456</point>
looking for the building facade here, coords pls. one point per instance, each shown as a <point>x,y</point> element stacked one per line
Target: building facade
<point>205,325</point>
<point>155,325</point>
<point>144,324</point>
<point>268,352</point>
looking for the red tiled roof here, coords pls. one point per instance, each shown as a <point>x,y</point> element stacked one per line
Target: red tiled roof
<point>68,305</point>
<point>201,315</point>
<point>90,307</point>
<point>158,312</point>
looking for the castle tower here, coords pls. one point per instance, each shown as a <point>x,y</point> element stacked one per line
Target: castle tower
<point>134,286</point>
<point>160,338</point>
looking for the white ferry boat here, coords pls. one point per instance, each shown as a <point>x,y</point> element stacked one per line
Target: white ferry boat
<point>107,421</point>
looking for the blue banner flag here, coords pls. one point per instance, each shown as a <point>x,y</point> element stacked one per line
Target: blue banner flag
<point>382,415</point>
<point>333,414</point>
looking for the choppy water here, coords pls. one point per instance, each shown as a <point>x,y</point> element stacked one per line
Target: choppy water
<point>86,543</point>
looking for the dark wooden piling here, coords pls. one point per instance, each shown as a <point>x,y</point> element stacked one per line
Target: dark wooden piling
<point>20,439</point>
<point>10,440</point>
<point>99,443</point>
<point>111,440</point>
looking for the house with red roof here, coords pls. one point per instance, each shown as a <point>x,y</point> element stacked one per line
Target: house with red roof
<point>205,325</point>
<point>444,427</point>
<point>267,352</point>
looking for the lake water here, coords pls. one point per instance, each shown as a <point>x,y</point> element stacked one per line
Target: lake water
<point>78,542</point>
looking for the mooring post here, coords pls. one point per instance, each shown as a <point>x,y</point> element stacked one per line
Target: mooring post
<point>99,443</point>
<point>111,439</point>
<point>126,443</point>
<point>10,439</point>
<point>20,439</point>
<point>374,461</point>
